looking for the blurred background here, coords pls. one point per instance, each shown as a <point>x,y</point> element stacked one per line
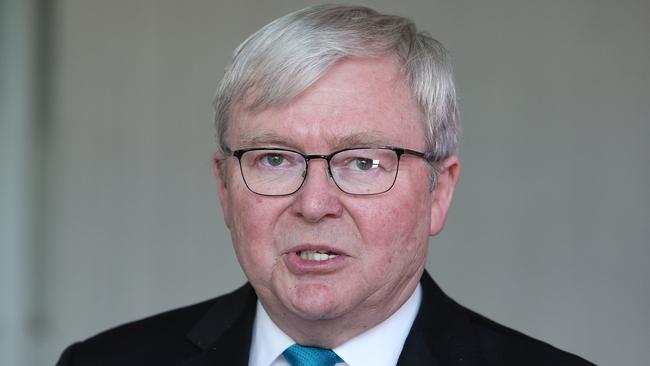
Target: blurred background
<point>109,212</point>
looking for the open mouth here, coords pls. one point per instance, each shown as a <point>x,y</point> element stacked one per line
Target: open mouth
<point>316,255</point>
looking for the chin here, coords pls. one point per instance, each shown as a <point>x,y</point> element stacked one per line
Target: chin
<point>316,302</point>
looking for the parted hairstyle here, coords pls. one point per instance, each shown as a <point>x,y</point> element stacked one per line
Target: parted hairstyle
<point>285,57</point>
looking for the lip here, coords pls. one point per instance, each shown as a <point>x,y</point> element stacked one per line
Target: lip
<point>297,265</point>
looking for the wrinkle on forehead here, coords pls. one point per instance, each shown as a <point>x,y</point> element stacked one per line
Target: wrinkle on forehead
<point>254,100</point>
<point>261,138</point>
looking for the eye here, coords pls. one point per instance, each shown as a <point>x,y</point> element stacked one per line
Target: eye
<point>365,163</point>
<point>273,159</point>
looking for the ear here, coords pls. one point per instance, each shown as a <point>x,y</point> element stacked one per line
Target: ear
<point>220,171</point>
<point>448,174</point>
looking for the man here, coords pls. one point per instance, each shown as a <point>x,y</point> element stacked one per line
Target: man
<point>337,160</point>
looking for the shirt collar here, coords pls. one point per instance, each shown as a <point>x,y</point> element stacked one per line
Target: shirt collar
<point>378,346</point>
<point>268,341</point>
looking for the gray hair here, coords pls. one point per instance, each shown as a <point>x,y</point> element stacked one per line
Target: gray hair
<point>285,57</point>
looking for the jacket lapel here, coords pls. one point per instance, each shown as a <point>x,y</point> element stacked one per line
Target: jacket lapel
<point>441,333</point>
<point>224,333</point>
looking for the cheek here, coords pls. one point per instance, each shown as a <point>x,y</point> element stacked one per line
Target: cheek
<point>251,233</point>
<point>398,234</point>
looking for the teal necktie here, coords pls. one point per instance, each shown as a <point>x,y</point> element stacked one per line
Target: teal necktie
<point>298,355</point>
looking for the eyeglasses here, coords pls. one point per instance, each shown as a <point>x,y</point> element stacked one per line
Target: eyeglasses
<point>357,171</point>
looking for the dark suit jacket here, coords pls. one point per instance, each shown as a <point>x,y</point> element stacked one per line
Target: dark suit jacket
<point>218,332</point>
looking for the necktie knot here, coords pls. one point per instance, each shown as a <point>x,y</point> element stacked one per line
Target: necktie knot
<point>298,355</point>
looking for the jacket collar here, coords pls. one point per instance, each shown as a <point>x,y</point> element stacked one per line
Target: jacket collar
<point>224,333</point>
<point>441,333</point>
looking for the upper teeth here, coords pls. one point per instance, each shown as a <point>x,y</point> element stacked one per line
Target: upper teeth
<point>315,255</point>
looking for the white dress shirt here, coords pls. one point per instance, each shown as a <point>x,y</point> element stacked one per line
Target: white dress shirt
<point>378,346</point>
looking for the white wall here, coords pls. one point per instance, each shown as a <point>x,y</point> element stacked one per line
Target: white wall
<point>549,230</point>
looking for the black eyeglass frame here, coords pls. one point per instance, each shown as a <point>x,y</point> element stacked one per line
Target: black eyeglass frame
<point>399,151</point>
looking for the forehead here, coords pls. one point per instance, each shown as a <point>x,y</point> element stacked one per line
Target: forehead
<point>356,102</point>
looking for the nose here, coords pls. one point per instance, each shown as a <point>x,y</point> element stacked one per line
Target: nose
<point>318,198</point>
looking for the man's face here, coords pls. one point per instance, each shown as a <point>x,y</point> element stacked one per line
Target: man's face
<point>380,241</point>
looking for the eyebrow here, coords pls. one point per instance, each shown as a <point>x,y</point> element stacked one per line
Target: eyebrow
<point>359,139</point>
<point>265,138</point>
